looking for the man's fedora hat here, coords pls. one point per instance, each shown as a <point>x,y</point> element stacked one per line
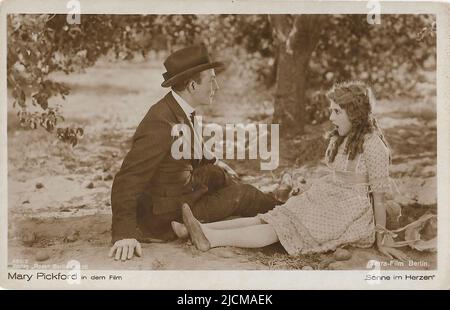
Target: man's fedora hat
<point>186,62</point>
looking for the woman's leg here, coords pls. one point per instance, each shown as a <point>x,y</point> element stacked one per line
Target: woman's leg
<point>182,233</point>
<point>234,223</point>
<point>255,236</point>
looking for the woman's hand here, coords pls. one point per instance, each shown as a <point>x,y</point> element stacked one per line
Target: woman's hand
<point>393,253</point>
<point>385,239</point>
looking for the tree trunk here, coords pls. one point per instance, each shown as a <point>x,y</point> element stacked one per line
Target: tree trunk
<point>296,38</point>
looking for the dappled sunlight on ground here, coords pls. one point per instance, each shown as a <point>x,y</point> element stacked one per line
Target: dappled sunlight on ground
<point>62,194</point>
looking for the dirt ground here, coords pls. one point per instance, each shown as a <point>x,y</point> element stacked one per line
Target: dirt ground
<point>59,196</point>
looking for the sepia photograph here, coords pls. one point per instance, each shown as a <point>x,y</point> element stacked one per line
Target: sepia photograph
<point>298,142</point>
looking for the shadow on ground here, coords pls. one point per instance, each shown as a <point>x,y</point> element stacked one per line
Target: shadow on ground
<point>59,196</point>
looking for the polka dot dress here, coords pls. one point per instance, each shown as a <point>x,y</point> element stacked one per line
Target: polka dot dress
<point>336,210</point>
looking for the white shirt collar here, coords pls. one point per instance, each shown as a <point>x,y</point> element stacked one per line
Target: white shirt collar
<point>183,104</point>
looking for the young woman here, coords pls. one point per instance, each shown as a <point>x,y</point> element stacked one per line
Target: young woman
<point>343,208</point>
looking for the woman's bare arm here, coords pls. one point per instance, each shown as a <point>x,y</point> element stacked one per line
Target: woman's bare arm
<point>380,220</point>
<point>379,213</point>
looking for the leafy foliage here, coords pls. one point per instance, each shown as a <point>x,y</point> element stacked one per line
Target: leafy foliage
<point>390,56</point>
<point>39,45</point>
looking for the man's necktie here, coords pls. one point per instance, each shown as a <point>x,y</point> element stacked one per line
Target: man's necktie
<point>192,117</point>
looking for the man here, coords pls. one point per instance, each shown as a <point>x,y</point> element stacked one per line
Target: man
<point>151,186</point>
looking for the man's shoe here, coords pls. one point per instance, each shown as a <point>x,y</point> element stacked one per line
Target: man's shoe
<point>195,229</point>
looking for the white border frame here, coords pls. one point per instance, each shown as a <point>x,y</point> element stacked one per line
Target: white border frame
<point>247,279</point>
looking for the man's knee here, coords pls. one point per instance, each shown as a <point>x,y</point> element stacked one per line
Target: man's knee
<point>255,201</point>
<point>251,192</point>
<point>235,200</point>
<point>242,189</point>
<point>225,202</point>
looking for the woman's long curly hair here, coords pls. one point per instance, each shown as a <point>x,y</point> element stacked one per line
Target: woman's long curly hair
<point>357,100</point>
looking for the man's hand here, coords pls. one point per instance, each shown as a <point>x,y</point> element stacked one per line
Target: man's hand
<point>125,249</point>
<point>227,168</point>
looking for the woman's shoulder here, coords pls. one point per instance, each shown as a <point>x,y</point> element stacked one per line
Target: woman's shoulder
<point>373,142</point>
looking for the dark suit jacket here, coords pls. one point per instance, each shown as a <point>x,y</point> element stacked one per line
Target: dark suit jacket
<point>149,169</point>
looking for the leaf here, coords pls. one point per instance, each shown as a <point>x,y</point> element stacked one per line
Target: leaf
<point>42,100</point>
<point>80,132</point>
<point>21,98</point>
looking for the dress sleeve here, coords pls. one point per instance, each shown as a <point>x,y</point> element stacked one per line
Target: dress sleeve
<point>376,156</point>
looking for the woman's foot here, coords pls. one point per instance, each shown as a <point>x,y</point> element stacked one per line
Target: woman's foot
<point>194,229</point>
<point>282,192</point>
<point>179,230</point>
